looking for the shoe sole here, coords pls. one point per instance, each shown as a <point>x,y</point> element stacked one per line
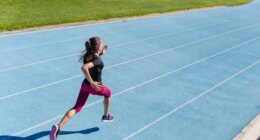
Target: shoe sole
<point>106,121</point>
<point>54,130</point>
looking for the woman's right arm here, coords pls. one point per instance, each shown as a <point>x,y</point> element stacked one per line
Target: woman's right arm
<point>85,69</point>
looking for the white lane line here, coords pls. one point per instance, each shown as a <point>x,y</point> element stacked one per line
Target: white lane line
<point>39,87</point>
<point>163,51</point>
<point>39,45</point>
<point>122,44</point>
<point>38,62</point>
<point>72,55</point>
<point>189,101</point>
<point>139,85</point>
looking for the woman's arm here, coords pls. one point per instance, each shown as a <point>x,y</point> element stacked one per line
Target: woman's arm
<point>85,69</point>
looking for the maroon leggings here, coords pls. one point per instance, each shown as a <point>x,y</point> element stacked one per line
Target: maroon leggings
<point>85,90</point>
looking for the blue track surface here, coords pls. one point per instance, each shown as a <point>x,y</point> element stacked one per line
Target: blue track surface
<point>192,75</point>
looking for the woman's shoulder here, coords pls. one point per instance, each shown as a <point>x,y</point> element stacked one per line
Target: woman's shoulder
<point>97,60</point>
<point>93,59</point>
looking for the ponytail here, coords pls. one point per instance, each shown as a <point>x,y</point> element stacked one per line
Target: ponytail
<point>90,47</point>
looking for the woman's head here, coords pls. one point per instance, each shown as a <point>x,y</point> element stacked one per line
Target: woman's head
<point>92,47</point>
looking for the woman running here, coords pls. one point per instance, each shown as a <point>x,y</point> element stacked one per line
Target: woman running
<point>92,84</point>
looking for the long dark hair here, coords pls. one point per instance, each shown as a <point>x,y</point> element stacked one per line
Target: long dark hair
<point>91,47</point>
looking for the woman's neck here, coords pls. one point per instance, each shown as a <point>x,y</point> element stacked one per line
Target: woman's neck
<point>96,54</point>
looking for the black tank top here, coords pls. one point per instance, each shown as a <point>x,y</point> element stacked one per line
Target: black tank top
<point>96,71</point>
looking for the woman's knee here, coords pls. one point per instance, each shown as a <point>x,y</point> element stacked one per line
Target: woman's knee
<point>106,92</point>
<point>76,109</point>
<point>71,113</point>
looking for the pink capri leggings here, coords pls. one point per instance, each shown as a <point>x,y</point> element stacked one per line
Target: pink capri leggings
<point>84,92</point>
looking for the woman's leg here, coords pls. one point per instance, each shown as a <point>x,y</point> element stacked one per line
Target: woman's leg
<point>69,114</point>
<point>56,128</point>
<point>82,97</point>
<point>106,93</point>
<point>106,105</point>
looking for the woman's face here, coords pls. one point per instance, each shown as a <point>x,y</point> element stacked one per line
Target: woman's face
<point>100,46</point>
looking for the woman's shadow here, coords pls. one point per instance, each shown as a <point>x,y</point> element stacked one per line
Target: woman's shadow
<point>46,133</point>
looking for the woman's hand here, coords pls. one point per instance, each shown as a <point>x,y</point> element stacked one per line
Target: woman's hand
<point>96,86</point>
<point>104,49</point>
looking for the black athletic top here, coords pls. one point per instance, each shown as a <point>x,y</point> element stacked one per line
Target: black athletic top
<point>96,71</point>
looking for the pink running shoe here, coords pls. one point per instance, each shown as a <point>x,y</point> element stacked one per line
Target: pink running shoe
<point>54,132</point>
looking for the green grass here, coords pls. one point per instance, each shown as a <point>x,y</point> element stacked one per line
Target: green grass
<point>19,14</point>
